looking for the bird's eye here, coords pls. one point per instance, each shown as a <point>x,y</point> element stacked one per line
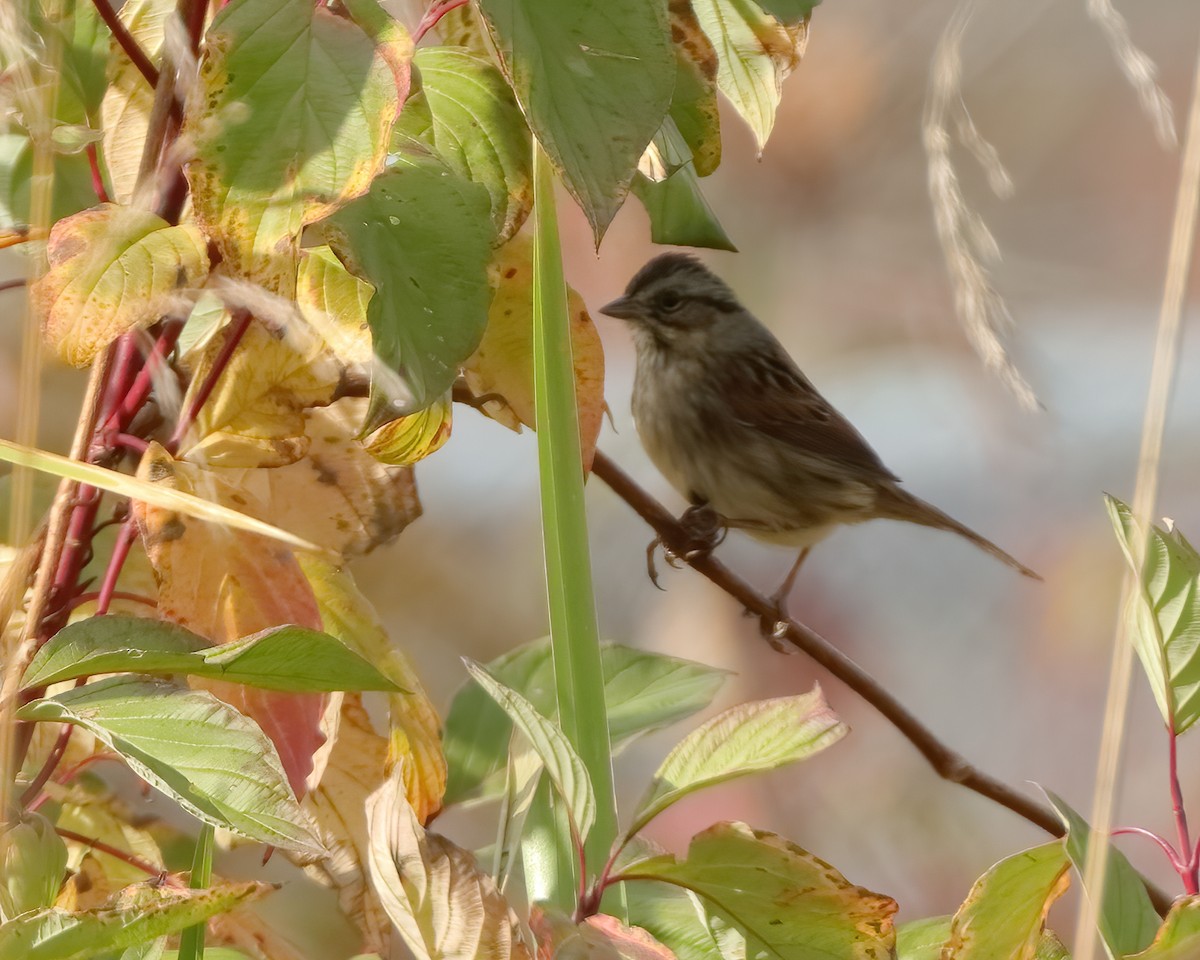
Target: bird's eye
<point>669,301</point>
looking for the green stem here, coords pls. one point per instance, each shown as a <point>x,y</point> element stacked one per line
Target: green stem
<point>575,643</point>
<point>191,941</point>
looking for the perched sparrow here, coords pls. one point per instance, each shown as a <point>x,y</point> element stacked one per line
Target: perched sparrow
<point>733,424</point>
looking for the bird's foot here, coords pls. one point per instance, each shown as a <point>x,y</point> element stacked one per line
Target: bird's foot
<point>705,529</point>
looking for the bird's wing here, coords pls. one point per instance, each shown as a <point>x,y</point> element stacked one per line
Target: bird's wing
<point>779,401</point>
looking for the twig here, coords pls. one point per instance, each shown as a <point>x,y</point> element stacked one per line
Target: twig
<point>237,329</point>
<point>136,862</point>
<point>946,762</point>
<point>14,284</point>
<point>48,768</point>
<point>97,178</point>
<point>131,47</point>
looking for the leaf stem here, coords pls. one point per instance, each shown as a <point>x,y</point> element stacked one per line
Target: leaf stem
<point>97,178</point>
<point>437,10</point>
<point>237,329</point>
<point>1172,854</point>
<point>125,857</point>
<point>1187,871</point>
<point>52,761</point>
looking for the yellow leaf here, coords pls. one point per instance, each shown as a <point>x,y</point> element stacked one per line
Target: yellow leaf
<point>408,439</point>
<point>255,415</point>
<point>503,364</point>
<point>415,736</point>
<point>125,110</point>
<point>112,269</point>
<point>334,302</point>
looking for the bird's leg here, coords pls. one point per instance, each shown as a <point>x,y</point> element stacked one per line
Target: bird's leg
<point>774,627</point>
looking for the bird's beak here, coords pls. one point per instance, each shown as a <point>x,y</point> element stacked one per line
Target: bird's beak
<point>623,308</point>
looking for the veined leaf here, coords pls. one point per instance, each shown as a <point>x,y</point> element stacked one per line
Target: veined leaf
<point>789,11</point>
<point>756,53</point>
<point>1179,938</point>
<point>594,78</point>
<point>749,738</point>
<point>643,691</point>
<point>599,937</point>
<point>473,123</point>
<point>215,762</point>
<point>146,492</point>
<point>787,903</point>
<point>439,900</point>
<point>1128,920</point>
<point>422,237</point>
<point>675,917</point>
<point>282,658</point>
<point>405,440</point>
<point>112,269</point>
<point>562,763</point>
<point>1004,915</point>
<point>292,119</point>
<point>924,940</point>
<point>1165,615</point>
<point>136,914</point>
<point>694,107</point>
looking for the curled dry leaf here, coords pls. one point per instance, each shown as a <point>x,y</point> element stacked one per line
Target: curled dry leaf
<point>442,904</point>
<point>503,363</point>
<point>338,495</point>
<point>408,439</point>
<point>112,269</point>
<point>224,584</point>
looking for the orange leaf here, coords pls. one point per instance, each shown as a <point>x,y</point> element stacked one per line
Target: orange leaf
<point>224,584</point>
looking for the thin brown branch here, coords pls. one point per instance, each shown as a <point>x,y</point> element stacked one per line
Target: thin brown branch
<point>947,763</point>
<point>124,856</point>
<point>131,47</point>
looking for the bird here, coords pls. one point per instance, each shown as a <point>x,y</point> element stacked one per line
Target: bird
<point>729,419</point>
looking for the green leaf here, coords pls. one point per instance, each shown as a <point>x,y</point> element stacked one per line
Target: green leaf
<point>788,904</point>
<point>282,658</point>
<point>749,738</point>
<point>924,940</point>
<point>675,917</point>
<point>470,119</point>
<point>756,53</point>
<point>789,11</point>
<point>214,761</point>
<point>1164,617</point>
<point>1004,915</point>
<point>441,903</point>
<point>211,953</point>
<point>595,79</point>
<point>72,182</point>
<point>292,118</point>
<point>138,913</point>
<point>422,237</point>
<point>643,691</point>
<point>33,863</point>
<point>1128,920</point>
<point>1179,938</point>
<point>562,763</point>
<point>679,214</point>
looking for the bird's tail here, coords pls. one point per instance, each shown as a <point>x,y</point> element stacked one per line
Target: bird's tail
<point>897,504</point>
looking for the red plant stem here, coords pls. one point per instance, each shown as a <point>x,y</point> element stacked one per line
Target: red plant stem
<point>44,774</point>
<point>197,14</point>
<point>237,330</point>
<point>1188,871</point>
<point>139,390</point>
<point>12,284</point>
<point>1172,855</point>
<point>130,442</point>
<point>116,562</point>
<point>97,178</point>
<point>128,44</point>
<point>136,862</point>
<point>436,11</point>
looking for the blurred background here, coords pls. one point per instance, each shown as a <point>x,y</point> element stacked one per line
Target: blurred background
<point>838,255</point>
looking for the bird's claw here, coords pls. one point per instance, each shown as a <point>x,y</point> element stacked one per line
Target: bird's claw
<point>705,528</point>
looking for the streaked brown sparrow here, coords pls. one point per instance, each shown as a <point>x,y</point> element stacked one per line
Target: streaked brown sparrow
<point>733,424</point>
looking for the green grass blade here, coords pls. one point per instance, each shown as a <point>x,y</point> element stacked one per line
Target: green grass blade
<point>579,676</point>
<point>191,941</point>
